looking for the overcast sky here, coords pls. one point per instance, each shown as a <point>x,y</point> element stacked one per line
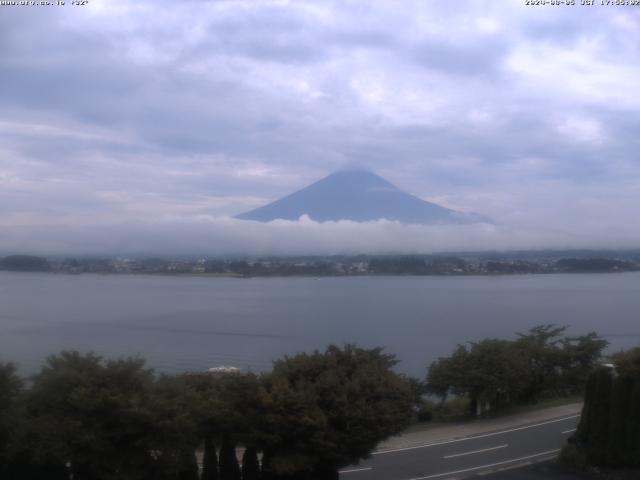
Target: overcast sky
<point>123,121</point>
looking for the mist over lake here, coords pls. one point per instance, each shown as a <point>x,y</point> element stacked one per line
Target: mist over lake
<point>193,323</point>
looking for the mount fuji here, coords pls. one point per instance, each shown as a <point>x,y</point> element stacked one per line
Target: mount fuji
<point>360,196</point>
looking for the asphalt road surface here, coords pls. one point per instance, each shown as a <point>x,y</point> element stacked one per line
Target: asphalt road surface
<point>468,456</point>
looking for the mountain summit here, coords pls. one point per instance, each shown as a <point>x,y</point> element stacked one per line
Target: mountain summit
<point>357,195</point>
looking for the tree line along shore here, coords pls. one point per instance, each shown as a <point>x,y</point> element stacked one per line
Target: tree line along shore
<point>319,266</point>
<point>85,417</point>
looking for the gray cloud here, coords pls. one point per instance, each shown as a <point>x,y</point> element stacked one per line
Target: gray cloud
<point>135,111</point>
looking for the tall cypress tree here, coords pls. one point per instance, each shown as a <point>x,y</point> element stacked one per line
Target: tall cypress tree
<point>188,467</point>
<point>599,410</point>
<point>609,430</point>
<point>617,434</point>
<point>250,464</point>
<point>266,472</point>
<point>632,447</point>
<point>582,432</point>
<point>229,468</point>
<point>209,460</point>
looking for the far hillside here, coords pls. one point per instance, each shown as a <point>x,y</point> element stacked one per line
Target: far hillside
<point>24,263</point>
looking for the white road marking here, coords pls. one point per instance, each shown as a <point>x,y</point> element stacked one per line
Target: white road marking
<point>548,452</point>
<point>356,470</point>
<point>485,435</point>
<point>476,451</point>
<point>569,431</point>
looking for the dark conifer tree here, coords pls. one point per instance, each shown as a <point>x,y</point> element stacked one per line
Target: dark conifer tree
<point>209,460</point>
<point>609,430</point>
<point>599,410</point>
<point>632,447</point>
<point>229,468</point>
<point>250,464</point>
<point>188,467</point>
<point>582,432</point>
<point>618,414</point>
<point>266,472</point>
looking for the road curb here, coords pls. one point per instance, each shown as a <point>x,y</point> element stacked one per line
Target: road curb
<point>416,438</point>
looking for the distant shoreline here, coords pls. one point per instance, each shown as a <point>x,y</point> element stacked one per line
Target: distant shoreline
<point>363,275</point>
<point>478,264</point>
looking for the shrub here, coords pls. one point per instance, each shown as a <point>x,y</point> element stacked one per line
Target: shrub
<point>573,458</point>
<point>424,414</point>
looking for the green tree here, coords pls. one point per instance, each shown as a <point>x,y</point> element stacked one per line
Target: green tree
<point>489,372</point>
<point>10,417</point>
<point>627,362</point>
<point>445,372</point>
<point>226,407</point>
<point>106,419</point>
<point>175,435</point>
<point>493,373</point>
<point>326,410</point>
<point>580,354</point>
<point>541,347</point>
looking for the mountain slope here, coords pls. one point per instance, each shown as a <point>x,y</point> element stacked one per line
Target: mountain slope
<point>357,195</point>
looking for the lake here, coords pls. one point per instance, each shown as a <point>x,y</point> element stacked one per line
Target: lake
<point>193,323</point>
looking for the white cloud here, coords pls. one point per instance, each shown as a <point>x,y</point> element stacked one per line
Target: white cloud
<point>585,73</point>
<point>582,129</point>
<point>217,236</point>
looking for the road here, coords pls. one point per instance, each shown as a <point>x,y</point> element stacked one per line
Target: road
<point>467,456</point>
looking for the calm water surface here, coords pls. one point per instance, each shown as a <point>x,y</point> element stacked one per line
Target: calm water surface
<point>192,323</point>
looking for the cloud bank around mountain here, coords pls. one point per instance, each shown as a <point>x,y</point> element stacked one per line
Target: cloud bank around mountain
<point>211,236</point>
